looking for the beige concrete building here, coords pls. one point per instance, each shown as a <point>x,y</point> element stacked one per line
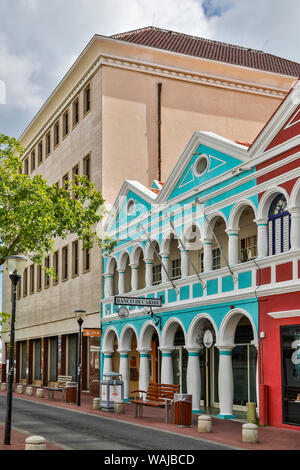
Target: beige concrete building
<point>125,110</point>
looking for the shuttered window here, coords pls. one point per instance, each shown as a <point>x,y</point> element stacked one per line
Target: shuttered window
<point>278,226</point>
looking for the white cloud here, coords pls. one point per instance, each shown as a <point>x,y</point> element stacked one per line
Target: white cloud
<point>17,73</point>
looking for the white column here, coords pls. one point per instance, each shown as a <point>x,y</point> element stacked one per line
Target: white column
<point>149,269</point>
<point>107,363</point>
<point>166,374</point>
<point>193,377</point>
<point>121,283</point>
<point>124,370</point>
<point>225,382</point>
<point>233,245</point>
<point>262,238</point>
<point>165,262</point>
<point>108,285</point>
<point>144,373</point>
<point>207,254</point>
<point>134,277</point>
<point>295,228</point>
<point>184,263</point>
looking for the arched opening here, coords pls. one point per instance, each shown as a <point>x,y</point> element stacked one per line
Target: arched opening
<point>174,259</point>
<point>156,265</point>
<point>141,271</point>
<point>131,361</point>
<point>180,360</point>
<point>244,364</point>
<point>219,228</point>
<point>247,235</point>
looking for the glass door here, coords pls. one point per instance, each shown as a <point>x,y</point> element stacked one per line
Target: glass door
<point>244,374</point>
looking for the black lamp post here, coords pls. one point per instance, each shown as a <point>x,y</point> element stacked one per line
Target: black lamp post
<point>80,316</point>
<point>15,267</point>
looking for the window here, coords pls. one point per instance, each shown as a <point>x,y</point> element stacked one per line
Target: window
<point>175,269</point>
<point>87,167</point>
<point>279,226</point>
<point>66,123</point>
<point>53,359</point>
<point>85,259</point>
<point>156,274</point>
<point>75,173</point>
<point>39,277</point>
<point>26,166</point>
<point>290,373</point>
<point>75,258</point>
<point>25,282</point>
<point>31,279</point>
<point>37,359</point>
<point>201,262</point>
<point>65,263</point>
<point>47,277</point>
<point>32,166</point>
<point>248,248</point>
<point>56,134</point>
<point>216,258</point>
<point>76,111</point>
<point>48,144</point>
<point>56,267</point>
<point>40,153</point>
<point>65,181</point>
<point>87,99</point>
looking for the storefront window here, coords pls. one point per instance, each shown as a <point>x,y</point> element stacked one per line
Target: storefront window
<point>290,349</point>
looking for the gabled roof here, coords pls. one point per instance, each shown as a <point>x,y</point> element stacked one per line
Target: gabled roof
<point>209,49</point>
<point>282,127</point>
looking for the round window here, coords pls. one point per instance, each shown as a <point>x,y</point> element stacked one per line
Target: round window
<point>200,165</point>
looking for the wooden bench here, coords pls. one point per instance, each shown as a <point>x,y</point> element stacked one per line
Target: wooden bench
<point>158,396</point>
<point>60,386</point>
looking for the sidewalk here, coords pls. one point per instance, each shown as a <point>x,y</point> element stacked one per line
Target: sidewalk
<point>223,431</point>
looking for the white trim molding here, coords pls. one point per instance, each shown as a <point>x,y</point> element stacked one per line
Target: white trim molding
<point>285,314</point>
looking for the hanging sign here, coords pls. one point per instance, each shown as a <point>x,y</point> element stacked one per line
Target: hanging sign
<point>208,338</point>
<point>91,332</point>
<point>137,301</point>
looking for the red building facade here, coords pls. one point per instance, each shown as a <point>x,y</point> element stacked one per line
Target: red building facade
<point>277,148</point>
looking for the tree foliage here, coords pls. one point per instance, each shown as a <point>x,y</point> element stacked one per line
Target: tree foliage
<point>33,213</point>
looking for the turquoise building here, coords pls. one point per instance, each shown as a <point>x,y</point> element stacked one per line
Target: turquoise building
<point>192,242</point>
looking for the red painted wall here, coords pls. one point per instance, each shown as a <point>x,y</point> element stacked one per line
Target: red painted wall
<point>272,349</point>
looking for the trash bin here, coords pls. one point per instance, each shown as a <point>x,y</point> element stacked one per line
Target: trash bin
<point>71,392</point>
<point>111,390</point>
<point>182,409</point>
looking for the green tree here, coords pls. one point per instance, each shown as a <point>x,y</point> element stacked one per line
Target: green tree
<point>33,213</point>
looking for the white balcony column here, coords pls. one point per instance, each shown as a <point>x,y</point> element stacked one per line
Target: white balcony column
<point>124,371</point>
<point>108,285</point>
<point>225,382</point>
<point>165,261</point>
<point>121,281</point>
<point>193,377</point>
<point>134,276</point>
<point>184,263</point>
<point>149,271</point>
<point>295,228</point>
<point>207,254</point>
<point>166,373</point>
<point>107,362</point>
<point>233,245</point>
<point>262,238</point>
<point>144,373</point>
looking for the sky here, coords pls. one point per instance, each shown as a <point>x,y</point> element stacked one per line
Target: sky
<point>41,39</point>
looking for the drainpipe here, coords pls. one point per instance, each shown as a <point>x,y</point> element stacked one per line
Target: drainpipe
<point>159,89</point>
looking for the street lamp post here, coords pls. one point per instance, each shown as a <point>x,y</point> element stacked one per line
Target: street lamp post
<point>80,316</point>
<point>15,266</point>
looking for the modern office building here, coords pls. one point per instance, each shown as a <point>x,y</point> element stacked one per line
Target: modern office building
<point>125,110</point>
